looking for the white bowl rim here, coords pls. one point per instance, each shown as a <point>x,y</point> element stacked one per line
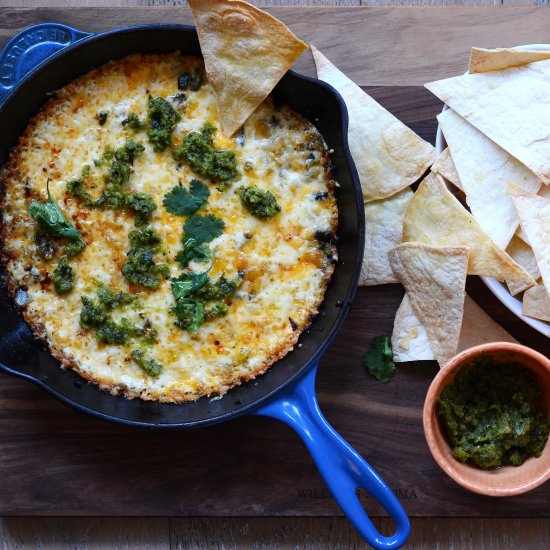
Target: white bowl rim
<point>496,287</point>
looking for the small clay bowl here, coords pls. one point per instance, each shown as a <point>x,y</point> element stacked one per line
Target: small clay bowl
<point>508,480</point>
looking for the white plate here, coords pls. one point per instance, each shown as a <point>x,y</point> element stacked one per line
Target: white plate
<point>496,287</point>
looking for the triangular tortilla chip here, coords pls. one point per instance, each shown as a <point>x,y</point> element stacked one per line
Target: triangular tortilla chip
<point>534,214</point>
<point>479,328</point>
<point>445,166</point>
<point>482,60</point>
<point>536,303</point>
<point>383,230</point>
<point>522,253</point>
<point>410,341</point>
<point>388,155</point>
<point>434,217</point>
<point>246,52</point>
<point>486,170</point>
<point>544,191</point>
<point>434,278</point>
<point>511,107</point>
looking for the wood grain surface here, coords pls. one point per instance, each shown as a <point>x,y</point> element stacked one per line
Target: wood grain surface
<point>56,461</point>
<point>380,46</point>
<point>263,534</point>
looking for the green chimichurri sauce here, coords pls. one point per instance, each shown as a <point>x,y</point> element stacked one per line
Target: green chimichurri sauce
<point>199,152</point>
<point>492,414</point>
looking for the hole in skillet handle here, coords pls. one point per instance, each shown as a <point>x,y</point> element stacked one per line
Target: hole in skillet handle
<point>342,468</point>
<point>30,47</point>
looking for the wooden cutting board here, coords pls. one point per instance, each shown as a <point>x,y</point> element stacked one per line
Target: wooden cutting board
<point>57,461</point>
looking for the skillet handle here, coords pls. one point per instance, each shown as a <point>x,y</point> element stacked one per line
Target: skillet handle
<point>341,466</point>
<point>29,47</point>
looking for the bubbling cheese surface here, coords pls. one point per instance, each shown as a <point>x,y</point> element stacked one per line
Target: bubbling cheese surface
<point>286,271</point>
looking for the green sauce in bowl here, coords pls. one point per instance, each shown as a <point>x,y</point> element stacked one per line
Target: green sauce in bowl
<point>492,414</point>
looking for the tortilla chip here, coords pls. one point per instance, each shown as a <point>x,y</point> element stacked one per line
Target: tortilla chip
<point>410,341</point>
<point>485,171</point>
<point>434,278</point>
<point>536,303</point>
<point>523,254</point>
<point>434,217</point>
<point>482,60</point>
<point>388,155</point>
<point>511,107</point>
<point>445,166</point>
<point>534,214</point>
<point>544,191</point>
<point>479,328</point>
<point>383,230</point>
<point>521,234</point>
<point>246,52</point>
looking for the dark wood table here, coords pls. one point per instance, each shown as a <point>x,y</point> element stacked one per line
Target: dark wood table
<point>66,478</point>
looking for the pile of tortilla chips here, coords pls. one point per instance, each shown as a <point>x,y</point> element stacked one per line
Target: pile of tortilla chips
<point>498,138</point>
<point>428,240</point>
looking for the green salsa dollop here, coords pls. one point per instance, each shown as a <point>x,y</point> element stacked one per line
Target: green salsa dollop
<point>492,414</point>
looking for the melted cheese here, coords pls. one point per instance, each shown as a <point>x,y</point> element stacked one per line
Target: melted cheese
<point>286,272</point>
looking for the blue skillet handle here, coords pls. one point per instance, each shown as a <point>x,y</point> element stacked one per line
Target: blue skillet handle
<point>29,47</point>
<point>342,468</point>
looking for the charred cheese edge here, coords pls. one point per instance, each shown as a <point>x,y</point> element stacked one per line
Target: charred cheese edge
<point>286,271</point>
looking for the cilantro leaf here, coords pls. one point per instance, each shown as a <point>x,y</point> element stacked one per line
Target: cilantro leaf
<point>198,230</point>
<point>190,314</point>
<point>51,220</point>
<point>203,228</point>
<point>188,283</point>
<point>193,252</point>
<point>182,202</point>
<point>379,359</point>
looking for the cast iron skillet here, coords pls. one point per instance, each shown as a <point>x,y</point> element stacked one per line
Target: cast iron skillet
<point>45,57</point>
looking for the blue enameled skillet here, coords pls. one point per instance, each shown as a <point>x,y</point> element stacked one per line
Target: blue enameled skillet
<point>46,57</point>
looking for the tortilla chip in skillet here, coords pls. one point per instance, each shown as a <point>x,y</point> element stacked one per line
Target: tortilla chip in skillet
<point>534,215</point>
<point>383,230</point>
<point>523,254</point>
<point>445,166</point>
<point>434,217</point>
<point>434,278</point>
<point>246,52</point>
<point>485,170</point>
<point>482,60</point>
<point>388,155</point>
<point>410,341</point>
<point>511,107</point>
<point>536,303</point>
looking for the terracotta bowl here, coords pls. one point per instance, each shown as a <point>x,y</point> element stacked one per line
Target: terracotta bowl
<point>506,481</point>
